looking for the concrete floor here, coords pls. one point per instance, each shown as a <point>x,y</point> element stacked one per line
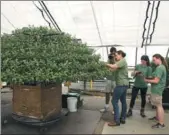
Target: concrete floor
<point>88,120</point>
<point>81,122</point>
<point>137,125</point>
<point>134,125</point>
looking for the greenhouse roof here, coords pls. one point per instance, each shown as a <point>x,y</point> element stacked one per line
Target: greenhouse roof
<point>98,23</point>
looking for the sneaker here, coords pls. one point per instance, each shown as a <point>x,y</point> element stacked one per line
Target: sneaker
<point>153,119</point>
<point>129,113</point>
<point>158,125</point>
<point>104,110</point>
<point>112,124</point>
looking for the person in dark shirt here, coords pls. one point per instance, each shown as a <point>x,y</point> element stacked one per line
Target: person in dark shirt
<point>110,81</point>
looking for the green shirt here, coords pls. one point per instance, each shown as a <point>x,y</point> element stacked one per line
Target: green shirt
<point>139,80</point>
<point>111,76</point>
<point>121,74</point>
<point>161,73</point>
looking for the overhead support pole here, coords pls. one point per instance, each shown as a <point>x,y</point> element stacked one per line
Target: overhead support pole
<point>116,45</point>
<point>145,49</point>
<point>157,45</point>
<point>105,46</point>
<point>107,51</point>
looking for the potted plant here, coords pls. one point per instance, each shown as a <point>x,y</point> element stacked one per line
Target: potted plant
<point>36,60</point>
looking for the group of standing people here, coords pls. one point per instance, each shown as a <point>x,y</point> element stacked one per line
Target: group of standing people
<point>118,81</point>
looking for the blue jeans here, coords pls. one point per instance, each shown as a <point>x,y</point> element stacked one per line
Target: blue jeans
<point>119,93</point>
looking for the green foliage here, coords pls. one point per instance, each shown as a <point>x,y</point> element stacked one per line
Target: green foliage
<point>33,54</point>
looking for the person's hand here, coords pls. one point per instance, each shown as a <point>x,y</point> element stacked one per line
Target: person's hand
<point>108,65</point>
<point>137,72</point>
<point>145,80</point>
<point>111,69</point>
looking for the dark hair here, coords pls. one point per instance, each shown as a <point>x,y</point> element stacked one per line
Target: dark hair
<point>158,56</point>
<point>113,49</point>
<point>146,58</point>
<point>121,53</point>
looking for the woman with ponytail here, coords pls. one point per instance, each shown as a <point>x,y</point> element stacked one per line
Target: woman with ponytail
<point>158,83</point>
<point>141,70</point>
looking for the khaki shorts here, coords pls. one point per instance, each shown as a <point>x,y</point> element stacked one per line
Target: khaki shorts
<point>156,100</point>
<point>110,85</point>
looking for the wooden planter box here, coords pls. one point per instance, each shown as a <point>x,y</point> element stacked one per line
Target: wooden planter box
<point>39,102</point>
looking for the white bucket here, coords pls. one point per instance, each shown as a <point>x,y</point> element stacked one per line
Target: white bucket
<point>72,104</point>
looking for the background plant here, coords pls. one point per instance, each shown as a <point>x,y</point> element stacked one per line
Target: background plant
<point>38,54</point>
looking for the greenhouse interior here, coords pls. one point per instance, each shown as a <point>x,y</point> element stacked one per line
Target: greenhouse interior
<point>84,67</point>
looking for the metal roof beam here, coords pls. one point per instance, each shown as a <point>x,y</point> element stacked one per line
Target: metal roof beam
<point>116,45</point>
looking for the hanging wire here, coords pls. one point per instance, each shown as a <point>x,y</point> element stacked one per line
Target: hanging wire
<point>13,6</point>
<point>154,23</point>
<point>43,5</point>
<point>96,24</point>
<point>70,11</point>
<point>42,14</point>
<point>8,20</point>
<point>150,21</point>
<point>143,35</point>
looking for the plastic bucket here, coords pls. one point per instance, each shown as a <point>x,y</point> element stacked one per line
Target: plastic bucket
<point>72,104</point>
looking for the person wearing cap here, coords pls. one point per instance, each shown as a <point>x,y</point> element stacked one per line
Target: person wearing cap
<point>141,70</point>
<point>110,81</point>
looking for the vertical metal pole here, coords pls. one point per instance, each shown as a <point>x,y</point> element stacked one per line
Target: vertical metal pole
<point>107,51</point>
<point>136,56</point>
<point>84,84</point>
<point>167,53</point>
<point>145,49</point>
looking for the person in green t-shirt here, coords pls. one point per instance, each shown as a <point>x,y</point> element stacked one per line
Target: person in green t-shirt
<point>158,82</point>
<point>141,70</point>
<point>121,78</point>
<point>110,82</point>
